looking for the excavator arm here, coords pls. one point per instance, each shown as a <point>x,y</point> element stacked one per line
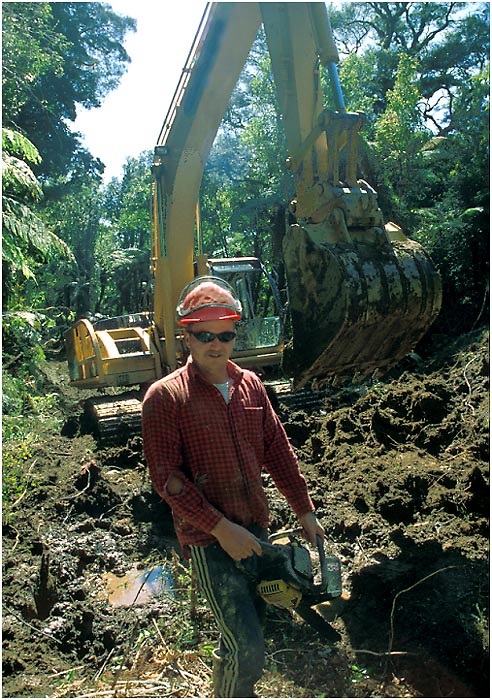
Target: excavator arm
<point>361,294</point>
<point>219,52</point>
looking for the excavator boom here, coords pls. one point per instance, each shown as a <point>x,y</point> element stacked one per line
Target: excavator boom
<point>361,294</point>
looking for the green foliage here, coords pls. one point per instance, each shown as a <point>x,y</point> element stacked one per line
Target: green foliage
<point>481,623</point>
<point>127,271</point>
<point>246,180</point>
<point>400,121</point>
<point>29,412</point>
<point>455,225</point>
<point>22,434</point>
<point>22,344</point>
<point>358,77</point>
<point>76,218</point>
<point>25,236</point>
<point>359,673</point>
<point>12,400</point>
<point>31,48</point>
<point>127,203</point>
<point>56,56</point>
<point>458,244</point>
<point>450,41</point>
<point>448,66</point>
<point>15,143</point>
<point>16,451</point>
<point>470,141</point>
<point>122,247</point>
<point>399,138</point>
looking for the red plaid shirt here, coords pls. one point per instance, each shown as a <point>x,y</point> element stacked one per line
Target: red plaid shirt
<point>218,451</point>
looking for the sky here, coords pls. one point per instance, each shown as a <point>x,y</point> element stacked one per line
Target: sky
<point>130,118</point>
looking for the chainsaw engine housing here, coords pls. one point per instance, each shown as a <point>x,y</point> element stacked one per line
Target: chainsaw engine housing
<point>289,578</point>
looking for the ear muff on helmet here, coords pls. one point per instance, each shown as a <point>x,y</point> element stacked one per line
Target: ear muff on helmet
<point>208,298</point>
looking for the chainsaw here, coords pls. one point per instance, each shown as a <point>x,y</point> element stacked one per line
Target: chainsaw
<point>288,580</point>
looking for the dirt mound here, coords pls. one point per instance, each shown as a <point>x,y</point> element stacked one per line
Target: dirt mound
<point>399,473</point>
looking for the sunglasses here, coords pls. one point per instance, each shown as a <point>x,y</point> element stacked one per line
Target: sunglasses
<point>207,337</point>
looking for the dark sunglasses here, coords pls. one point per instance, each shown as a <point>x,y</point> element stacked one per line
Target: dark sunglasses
<point>207,337</point>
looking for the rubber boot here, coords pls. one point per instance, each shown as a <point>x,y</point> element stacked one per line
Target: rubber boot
<point>216,671</point>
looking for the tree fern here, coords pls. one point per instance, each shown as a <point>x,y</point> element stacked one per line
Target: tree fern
<point>24,234</point>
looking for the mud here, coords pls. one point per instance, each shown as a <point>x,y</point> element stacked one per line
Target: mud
<point>399,473</point>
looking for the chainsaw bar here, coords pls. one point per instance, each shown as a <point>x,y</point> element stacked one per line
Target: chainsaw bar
<point>317,622</point>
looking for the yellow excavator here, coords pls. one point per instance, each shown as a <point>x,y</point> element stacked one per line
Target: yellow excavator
<point>360,294</point>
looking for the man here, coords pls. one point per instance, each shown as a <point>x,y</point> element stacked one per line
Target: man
<point>209,431</point>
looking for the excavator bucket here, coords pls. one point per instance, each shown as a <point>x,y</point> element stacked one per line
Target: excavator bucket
<point>356,307</point>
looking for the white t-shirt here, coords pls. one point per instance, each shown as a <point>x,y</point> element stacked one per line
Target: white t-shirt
<point>224,390</point>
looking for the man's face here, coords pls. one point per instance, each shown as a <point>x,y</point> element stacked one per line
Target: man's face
<point>210,357</point>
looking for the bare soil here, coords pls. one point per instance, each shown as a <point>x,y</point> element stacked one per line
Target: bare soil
<point>399,472</point>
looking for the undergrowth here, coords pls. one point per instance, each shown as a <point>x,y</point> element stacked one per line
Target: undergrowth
<point>30,414</point>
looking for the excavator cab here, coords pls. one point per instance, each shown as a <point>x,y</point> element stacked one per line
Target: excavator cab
<point>129,351</point>
<point>125,350</point>
<point>260,339</point>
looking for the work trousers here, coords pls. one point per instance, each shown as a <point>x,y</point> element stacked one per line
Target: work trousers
<point>229,588</point>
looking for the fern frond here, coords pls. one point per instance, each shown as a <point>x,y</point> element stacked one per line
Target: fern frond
<point>21,229</point>
<point>18,178</point>
<point>15,143</point>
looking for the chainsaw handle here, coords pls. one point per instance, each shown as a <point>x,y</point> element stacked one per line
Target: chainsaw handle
<point>284,533</point>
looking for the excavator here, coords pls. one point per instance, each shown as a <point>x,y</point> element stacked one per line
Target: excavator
<point>360,293</point>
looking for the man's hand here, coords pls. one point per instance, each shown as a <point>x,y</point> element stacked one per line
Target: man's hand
<point>238,542</point>
<point>312,527</point>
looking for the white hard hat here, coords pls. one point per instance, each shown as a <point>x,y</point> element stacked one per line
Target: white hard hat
<point>208,298</point>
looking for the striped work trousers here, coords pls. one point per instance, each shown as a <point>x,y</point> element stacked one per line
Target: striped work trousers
<point>239,614</point>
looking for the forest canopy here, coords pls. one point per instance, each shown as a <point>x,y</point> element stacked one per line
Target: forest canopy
<point>419,71</point>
